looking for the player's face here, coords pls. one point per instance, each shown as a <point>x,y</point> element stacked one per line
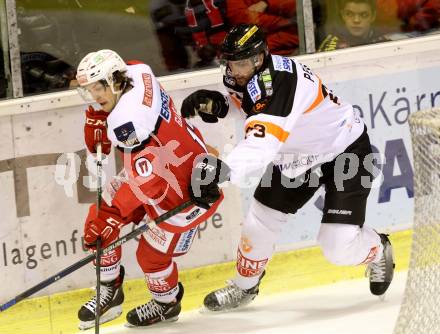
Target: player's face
<point>103,95</point>
<point>242,70</point>
<point>358,18</point>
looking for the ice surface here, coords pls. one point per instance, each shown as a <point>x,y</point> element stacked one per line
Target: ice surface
<point>342,308</point>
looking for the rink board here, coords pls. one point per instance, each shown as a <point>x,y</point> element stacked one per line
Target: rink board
<point>47,187</point>
<point>287,271</point>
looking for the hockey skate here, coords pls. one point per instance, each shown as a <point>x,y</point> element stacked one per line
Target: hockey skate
<point>111,299</point>
<point>155,312</point>
<point>381,273</point>
<point>231,297</point>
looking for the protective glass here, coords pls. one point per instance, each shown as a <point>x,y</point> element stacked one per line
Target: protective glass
<point>91,91</point>
<point>362,15</point>
<point>243,66</point>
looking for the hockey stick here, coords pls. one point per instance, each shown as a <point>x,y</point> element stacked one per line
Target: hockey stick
<point>81,263</point>
<point>98,240</point>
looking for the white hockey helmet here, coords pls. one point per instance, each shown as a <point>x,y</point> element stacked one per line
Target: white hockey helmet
<point>100,65</point>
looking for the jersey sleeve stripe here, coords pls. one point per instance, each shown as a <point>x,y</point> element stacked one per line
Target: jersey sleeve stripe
<point>271,128</point>
<point>235,100</point>
<point>319,98</point>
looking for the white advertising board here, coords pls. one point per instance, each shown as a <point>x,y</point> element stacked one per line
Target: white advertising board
<point>44,195</point>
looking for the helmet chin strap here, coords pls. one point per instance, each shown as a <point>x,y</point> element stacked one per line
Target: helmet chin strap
<point>112,87</point>
<point>118,95</point>
<point>256,64</point>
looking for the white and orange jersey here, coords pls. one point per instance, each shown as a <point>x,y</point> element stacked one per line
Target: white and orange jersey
<point>158,149</point>
<point>293,120</point>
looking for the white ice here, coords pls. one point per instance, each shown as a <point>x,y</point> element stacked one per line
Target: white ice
<point>342,308</point>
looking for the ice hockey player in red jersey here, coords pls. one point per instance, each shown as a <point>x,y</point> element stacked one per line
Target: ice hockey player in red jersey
<point>159,149</point>
<point>300,136</point>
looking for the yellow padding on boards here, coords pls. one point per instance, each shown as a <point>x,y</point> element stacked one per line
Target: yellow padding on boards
<point>287,271</point>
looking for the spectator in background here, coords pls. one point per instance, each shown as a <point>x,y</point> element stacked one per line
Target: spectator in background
<point>357,28</point>
<point>386,17</point>
<point>206,24</point>
<point>167,16</point>
<point>419,15</point>
<point>277,18</point>
<point>199,24</point>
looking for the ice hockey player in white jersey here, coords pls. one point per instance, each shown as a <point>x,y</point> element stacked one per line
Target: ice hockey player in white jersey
<point>159,149</point>
<point>303,137</point>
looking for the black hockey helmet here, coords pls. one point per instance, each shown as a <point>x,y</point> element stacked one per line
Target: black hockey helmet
<point>243,41</point>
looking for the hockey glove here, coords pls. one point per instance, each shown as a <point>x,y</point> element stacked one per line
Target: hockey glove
<point>209,104</point>
<point>95,130</point>
<point>104,223</point>
<point>207,173</point>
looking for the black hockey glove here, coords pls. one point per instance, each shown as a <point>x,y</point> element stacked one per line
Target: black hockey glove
<point>209,104</point>
<point>207,173</point>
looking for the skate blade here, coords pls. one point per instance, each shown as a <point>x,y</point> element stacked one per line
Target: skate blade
<point>382,297</point>
<point>157,324</point>
<point>205,310</point>
<point>111,314</point>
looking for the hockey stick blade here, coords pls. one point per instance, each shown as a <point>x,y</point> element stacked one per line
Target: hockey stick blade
<point>81,263</point>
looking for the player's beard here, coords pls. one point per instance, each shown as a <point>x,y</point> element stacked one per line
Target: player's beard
<point>242,81</point>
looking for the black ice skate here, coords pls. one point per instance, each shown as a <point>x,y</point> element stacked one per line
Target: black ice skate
<point>155,312</point>
<point>112,296</point>
<point>231,297</point>
<point>381,273</point>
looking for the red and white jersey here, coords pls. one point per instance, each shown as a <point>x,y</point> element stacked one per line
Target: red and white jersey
<point>158,148</point>
<point>293,120</point>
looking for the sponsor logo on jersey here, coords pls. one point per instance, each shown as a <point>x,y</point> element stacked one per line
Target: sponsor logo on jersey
<point>165,112</point>
<point>148,90</point>
<point>143,167</point>
<point>260,106</point>
<point>249,268</point>
<point>267,81</point>
<point>282,64</point>
<point>185,241</point>
<point>266,77</point>
<point>111,266</point>
<point>253,89</point>
<point>193,214</point>
<point>299,162</point>
<point>178,119</point>
<point>157,284</point>
<point>126,134</point>
<point>110,259</point>
<point>164,161</point>
<point>158,239</point>
<point>229,80</point>
<point>156,290</point>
